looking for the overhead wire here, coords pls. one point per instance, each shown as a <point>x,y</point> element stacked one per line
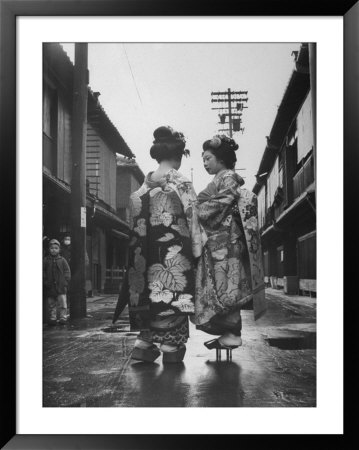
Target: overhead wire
<point>144,111</point>
<point>133,77</point>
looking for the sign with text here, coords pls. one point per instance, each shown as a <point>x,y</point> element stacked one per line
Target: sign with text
<point>83,216</point>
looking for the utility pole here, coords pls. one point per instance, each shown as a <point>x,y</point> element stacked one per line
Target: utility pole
<point>230,114</point>
<point>234,118</point>
<point>78,184</point>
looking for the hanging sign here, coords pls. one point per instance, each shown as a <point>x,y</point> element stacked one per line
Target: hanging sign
<point>83,216</point>
<point>236,124</point>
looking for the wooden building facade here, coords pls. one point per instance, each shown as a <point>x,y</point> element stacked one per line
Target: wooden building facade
<point>107,233</point>
<point>286,187</point>
<point>129,177</point>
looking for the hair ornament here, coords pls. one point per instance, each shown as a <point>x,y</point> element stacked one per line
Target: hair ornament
<point>215,142</point>
<point>222,139</point>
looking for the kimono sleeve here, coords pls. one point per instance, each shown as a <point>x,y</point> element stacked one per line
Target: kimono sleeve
<point>247,206</point>
<point>188,199</point>
<point>219,205</point>
<point>135,205</point>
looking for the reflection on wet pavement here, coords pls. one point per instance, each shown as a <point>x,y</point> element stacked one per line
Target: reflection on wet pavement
<point>294,342</point>
<point>88,363</point>
<point>171,385</point>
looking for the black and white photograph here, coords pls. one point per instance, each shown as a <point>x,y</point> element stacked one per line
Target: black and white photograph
<point>179,195</point>
<point>179,224</point>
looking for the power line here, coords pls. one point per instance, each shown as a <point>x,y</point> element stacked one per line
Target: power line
<point>129,64</point>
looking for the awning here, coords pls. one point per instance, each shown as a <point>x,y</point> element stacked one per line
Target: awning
<point>302,198</point>
<point>56,181</point>
<point>109,215</point>
<point>119,234</point>
<point>279,224</point>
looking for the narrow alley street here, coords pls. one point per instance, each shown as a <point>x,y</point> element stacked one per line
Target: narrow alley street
<point>85,365</point>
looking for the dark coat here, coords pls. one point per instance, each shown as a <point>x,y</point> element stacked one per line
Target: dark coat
<point>56,275</point>
<point>66,253</point>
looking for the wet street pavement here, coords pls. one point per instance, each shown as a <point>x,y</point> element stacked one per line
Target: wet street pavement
<point>85,365</point>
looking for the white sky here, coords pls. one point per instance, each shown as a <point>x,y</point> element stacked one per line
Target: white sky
<point>174,84</point>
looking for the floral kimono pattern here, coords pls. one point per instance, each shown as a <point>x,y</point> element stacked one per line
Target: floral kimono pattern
<point>160,273</point>
<point>229,271</point>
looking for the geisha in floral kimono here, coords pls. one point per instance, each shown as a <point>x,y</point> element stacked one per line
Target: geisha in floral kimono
<point>160,284</point>
<point>229,273</point>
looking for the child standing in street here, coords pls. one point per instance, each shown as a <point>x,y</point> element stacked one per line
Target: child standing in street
<point>56,276</point>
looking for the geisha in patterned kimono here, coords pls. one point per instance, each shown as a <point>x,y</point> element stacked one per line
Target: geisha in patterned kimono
<point>160,281</point>
<point>229,272</point>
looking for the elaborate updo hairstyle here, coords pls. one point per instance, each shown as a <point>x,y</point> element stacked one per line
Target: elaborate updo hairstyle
<point>168,144</point>
<point>223,148</point>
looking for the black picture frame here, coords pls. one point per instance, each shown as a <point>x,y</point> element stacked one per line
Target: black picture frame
<point>9,10</point>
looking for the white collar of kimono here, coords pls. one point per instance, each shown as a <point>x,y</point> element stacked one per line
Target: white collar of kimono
<point>171,175</point>
<point>221,172</point>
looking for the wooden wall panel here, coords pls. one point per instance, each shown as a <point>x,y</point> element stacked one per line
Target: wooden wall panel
<point>63,142</point>
<point>67,147</point>
<point>112,179</point>
<point>307,256</point>
<point>60,141</point>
